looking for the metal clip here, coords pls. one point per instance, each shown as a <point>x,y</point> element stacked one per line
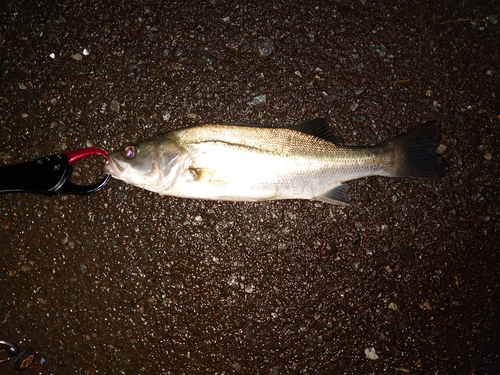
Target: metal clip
<point>50,175</point>
<point>23,358</point>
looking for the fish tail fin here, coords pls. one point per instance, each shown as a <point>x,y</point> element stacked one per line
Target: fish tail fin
<point>415,154</point>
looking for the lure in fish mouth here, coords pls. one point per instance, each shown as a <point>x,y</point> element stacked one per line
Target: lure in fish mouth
<point>258,163</point>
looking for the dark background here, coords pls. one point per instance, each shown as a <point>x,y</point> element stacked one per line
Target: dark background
<point>126,282</point>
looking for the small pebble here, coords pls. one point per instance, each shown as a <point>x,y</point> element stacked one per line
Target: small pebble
<point>282,247</point>
<point>266,48</point>
<point>382,50</point>
<point>115,106</point>
<point>26,268</point>
<point>361,89</point>
<point>260,99</point>
<point>249,288</point>
<point>178,52</point>
<point>371,353</point>
<point>165,115</point>
<point>121,195</point>
<point>236,367</point>
<point>77,56</point>
<point>441,149</point>
<point>426,305</point>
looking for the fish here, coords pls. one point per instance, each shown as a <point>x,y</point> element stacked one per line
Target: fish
<point>245,162</point>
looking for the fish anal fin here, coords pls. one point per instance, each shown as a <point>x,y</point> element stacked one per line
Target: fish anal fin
<point>337,195</point>
<point>318,128</point>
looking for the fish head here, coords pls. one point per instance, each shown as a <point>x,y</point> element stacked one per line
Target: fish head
<point>150,164</point>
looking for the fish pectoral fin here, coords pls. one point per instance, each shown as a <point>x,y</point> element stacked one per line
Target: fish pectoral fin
<point>195,173</point>
<point>206,175</point>
<point>337,195</point>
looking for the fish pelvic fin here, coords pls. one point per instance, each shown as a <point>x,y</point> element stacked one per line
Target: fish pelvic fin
<point>414,153</point>
<point>337,195</point>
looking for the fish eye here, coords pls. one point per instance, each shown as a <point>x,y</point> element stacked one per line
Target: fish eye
<point>130,151</point>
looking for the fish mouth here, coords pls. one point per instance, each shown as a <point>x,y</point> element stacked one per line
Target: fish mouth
<point>114,168</point>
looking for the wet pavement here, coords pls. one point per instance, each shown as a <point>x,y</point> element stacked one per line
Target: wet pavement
<point>127,282</point>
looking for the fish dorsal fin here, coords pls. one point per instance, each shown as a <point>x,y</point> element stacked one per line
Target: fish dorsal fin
<point>319,128</point>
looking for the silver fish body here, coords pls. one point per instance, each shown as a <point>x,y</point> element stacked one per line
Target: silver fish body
<point>256,163</point>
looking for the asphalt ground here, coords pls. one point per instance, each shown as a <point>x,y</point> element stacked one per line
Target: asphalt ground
<point>127,282</point>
